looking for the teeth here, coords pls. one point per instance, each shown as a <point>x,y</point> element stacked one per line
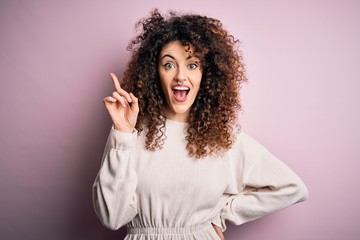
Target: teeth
<point>181,88</point>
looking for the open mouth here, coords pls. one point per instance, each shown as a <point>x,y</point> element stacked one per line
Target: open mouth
<point>180,93</point>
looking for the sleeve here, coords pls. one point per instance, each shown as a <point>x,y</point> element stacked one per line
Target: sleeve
<point>114,188</point>
<point>260,186</point>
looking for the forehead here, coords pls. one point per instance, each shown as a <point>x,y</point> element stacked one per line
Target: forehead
<point>176,47</point>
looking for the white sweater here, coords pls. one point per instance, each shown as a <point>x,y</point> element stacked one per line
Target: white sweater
<point>165,194</point>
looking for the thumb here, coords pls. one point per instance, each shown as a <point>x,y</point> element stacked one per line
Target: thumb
<point>134,103</point>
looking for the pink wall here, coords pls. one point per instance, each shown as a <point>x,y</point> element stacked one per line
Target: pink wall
<point>301,102</point>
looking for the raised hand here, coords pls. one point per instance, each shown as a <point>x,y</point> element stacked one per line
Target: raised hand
<point>122,107</point>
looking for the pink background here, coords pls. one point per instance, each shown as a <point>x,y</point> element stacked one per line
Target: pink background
<point>302,102</point>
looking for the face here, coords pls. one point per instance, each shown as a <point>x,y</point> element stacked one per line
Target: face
<point>180,76</point>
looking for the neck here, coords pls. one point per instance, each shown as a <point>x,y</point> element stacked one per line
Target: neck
<point>178,117</point>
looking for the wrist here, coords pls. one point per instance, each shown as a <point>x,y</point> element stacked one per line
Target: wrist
<point>122,129</point>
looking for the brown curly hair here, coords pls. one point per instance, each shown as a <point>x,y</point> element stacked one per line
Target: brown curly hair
<point>213,115</point>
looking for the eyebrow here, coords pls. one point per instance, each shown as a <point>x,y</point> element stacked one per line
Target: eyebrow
<point>168,55</point>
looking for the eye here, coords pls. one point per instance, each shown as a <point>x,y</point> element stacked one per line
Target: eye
<point>168,66</point>
<point>192,66</point>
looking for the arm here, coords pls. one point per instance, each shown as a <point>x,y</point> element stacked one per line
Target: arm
<point>269,187</point>
<point>260,184</point>
<point>114,188</point>
<point>114,196</point>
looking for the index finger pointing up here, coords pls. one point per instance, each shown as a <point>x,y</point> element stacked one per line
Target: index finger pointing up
<point>116,82</point>
<point>118,88</point>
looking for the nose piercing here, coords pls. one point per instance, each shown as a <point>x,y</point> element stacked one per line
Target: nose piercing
<point>180,82</point>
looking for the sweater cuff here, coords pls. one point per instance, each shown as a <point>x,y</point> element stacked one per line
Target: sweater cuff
<point>122,140</point>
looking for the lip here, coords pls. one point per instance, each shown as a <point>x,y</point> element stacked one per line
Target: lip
<point>180,85</point>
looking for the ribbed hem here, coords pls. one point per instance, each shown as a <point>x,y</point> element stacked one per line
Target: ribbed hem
<point>169,230</point>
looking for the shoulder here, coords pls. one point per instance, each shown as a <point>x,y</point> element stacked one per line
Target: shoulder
<point>246,145</point>
<point>244,153</point>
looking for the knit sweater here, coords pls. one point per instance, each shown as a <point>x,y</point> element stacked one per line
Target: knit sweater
<point>165,194</point>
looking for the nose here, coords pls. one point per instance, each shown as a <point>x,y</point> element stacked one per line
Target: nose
<point>180,76</point>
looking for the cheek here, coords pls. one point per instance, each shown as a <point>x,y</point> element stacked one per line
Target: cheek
<point>164,81</point>
<point>162,78</point>
<point>197,81</point>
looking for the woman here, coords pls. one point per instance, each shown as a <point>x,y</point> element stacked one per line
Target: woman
<point>176,165</point>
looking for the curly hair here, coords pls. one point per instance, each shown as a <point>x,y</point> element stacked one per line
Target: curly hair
<point>213,115</point>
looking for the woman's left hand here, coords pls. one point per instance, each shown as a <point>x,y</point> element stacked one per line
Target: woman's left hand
<point>219,232</point>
